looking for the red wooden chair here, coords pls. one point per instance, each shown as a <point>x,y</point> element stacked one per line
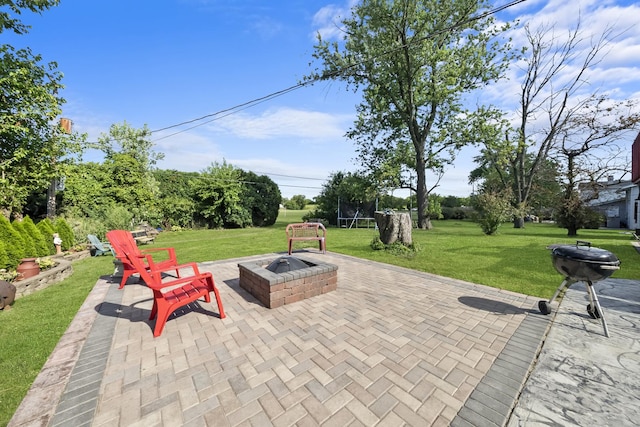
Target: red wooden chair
<point>172,294</point>
<point>123,242</point>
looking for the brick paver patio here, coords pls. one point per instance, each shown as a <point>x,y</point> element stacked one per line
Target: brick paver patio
<point>390,346</point>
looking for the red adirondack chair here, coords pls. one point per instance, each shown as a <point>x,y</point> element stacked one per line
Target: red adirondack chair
<point>172,294</point>
<point>123,242</point>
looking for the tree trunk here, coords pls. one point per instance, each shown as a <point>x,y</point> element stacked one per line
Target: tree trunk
<point>422,198</point>
<point>51,200</point>
<point>518,222</point>
<point>394,227</point>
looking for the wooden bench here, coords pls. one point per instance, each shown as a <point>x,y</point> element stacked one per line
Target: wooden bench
<point>142,237</point>
<point>307,231</point>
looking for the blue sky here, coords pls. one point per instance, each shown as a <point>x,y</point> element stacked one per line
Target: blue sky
<point>164,62</point>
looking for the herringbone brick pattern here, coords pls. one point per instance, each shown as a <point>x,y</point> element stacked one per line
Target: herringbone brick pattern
<point>389,347</point>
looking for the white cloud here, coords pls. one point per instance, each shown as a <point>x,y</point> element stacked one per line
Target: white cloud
<point>286,122</point>
<point>187,152</point>
<point>266,27</point>
<point>328,20</point>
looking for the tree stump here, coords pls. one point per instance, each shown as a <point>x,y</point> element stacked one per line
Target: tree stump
<point>394,227</point>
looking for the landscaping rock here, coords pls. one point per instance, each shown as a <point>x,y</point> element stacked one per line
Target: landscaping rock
<point>7,294</point>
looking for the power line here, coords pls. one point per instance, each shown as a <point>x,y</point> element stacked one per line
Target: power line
<point>232,110</point>
<point>289,176</point>
<point>245,105</point>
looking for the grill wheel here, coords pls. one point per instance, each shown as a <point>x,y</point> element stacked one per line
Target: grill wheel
<point>593,312</point>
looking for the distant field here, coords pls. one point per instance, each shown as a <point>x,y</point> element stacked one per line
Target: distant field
<point>514,259</point>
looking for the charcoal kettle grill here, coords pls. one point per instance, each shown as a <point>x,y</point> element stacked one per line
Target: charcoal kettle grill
<point>582,263</point>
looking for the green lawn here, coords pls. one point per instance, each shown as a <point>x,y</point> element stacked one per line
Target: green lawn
<point>515,260</point>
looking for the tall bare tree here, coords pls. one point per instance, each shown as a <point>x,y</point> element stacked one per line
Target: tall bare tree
<point>552,103</point>
<point>589,149</point>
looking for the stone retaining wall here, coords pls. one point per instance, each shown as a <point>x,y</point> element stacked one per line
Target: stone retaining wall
<point>49,277</point>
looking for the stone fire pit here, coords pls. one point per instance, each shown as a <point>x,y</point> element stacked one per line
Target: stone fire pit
<point>279,287</point>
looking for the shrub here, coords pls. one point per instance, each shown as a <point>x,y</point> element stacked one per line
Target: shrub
<point>29,244</point>
<point>493,209</point>
<point>593,219</point>
<point>4,261</point>
<point>42,248</point>
<point>66,234</point>
<point>309,217</point>
<point>118,218</point>
<point>46,263</point>
<point>395,248</point>
<point>457,213</point>
<point>46,228</point>
<point>377,245</point>
<point>82,226</point>
<point>13,243</point>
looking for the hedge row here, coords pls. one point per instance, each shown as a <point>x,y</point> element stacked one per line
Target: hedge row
<point>25,239</point>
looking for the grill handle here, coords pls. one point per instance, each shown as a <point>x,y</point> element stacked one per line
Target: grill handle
<point>583,243</point>
<point>609,267</point>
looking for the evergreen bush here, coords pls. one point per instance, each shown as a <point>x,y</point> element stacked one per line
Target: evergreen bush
<point>46,228</point>
<point>29,244</point>
<point>13,243</point>
<point>39,241</point>
<point>65,232</point>
<point>4,261</point>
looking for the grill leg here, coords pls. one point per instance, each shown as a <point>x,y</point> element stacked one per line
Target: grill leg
<point>545,306</point>
<point>565,284</point>
<point>595,304</point>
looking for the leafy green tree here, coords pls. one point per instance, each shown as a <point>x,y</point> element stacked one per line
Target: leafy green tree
<point>297,202</point>
<point>387,201</point>
<point>16,7</point>
<point>414,60</point>
<point>177,211</point>
<point>175,183</point>
<point>87,191</point>
<point>30,148</point>
<point>262,198</point>
<point>176,202</point>
<point>13,243</point>
<point>117,217</point>
<point>353,191</point>
<point>435,208</point>
<point>218,193</point>
<point>129,161</point>
<point>545,185</point>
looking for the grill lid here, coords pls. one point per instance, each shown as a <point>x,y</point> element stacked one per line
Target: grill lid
<point>583,251</point>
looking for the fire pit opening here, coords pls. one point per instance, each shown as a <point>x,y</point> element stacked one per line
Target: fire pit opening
<point>286,263</point>
<point>287,279</point>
